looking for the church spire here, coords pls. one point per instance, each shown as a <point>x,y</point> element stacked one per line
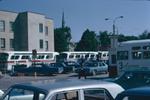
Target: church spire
<point>63,20</point>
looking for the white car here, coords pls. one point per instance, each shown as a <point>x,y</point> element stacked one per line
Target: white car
<point>64,90</point>
<point>1,93</point>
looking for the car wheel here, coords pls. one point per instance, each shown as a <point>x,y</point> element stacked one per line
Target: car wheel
<point>93,73</point>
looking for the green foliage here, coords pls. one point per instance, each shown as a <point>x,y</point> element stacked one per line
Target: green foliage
<point>122,38</point>
<point>62,37</point>
<point>88,42</point>
<point>104,39</point>
<point>145,35</point>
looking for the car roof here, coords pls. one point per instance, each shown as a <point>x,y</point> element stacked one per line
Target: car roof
<point>143,91</point>
<point>56,86</point>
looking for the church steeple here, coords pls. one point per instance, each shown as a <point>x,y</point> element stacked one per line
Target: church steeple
<point>63,20</point>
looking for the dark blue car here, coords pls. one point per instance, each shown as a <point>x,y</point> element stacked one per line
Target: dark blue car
<point>141,93</point>
<point>42,69</point>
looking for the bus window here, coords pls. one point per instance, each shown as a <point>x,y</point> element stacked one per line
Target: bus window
<point>146,54</point>
<point>104,55</point>
<point>92,56</point>
<point>41,57</point>
<point>71,56</point>
<point>136,55</point>
<point>14,57</point>
<point>136,48</point>
<point>122,55</point>
<point>87,56</point>
<point>146,47</point>
<point>49,56</point>
<point>77,56</point>
<point>25,57</point>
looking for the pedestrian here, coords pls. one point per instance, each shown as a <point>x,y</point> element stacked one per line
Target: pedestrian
<point>82,73</point>
<point>82,70</point>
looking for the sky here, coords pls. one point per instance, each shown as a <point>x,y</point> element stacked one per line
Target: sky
<point>89,14</point>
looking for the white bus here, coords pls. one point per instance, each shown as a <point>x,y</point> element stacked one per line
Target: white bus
<point>103,56</point>
<point>8,59</point>
<point>74,56</point>
<point>134,53</point>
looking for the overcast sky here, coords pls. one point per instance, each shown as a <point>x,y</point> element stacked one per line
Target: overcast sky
<point>91,14</point>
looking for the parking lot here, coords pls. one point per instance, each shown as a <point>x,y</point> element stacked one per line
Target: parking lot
<point>7,81</point>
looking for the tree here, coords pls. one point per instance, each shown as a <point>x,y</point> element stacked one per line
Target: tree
<point>88,42</point>
<point>104,39</point>
<point>145,35</point>
<point>62,37</point>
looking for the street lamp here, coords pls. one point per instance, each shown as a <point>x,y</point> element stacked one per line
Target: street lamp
<point>113,49</point>
<point>114,21</point>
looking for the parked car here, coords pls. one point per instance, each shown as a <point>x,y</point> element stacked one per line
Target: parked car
<point>41,69</point>
<point>63,90</point>
<point>74,65</point>
<point>66,69</point>
<point>93,68</point>
<point>1,93</point>
<point>133,78</point>
<point>141,93</point>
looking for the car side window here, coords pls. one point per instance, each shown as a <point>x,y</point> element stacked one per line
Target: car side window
<point>67,95</point>
<point>96,94</point>
<point>23,94</point>
<point>20,94</point>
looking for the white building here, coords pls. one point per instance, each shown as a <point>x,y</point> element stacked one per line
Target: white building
<point>26,31</point>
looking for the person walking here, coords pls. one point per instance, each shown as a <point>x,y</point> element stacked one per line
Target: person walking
<point>82,70</point>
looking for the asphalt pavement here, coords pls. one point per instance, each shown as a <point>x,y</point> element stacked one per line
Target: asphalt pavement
<point>6,80</point>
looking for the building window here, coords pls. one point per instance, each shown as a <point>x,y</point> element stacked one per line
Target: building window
<point>46,30</point>
<point>46,45</point>
<point>11,26</point>
<point>41,28</point>
<point>2,26</point>
<point>2,42</point>
<point>41,44</point>
<point>11,43</point>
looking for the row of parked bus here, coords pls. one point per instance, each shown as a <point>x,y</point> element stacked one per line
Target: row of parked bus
<point>11,58</point>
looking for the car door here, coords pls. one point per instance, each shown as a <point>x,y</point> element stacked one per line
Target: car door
<point>96,94</point>
<point>104,67</point>
<point>66,95</point>
<point>100,67</point>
